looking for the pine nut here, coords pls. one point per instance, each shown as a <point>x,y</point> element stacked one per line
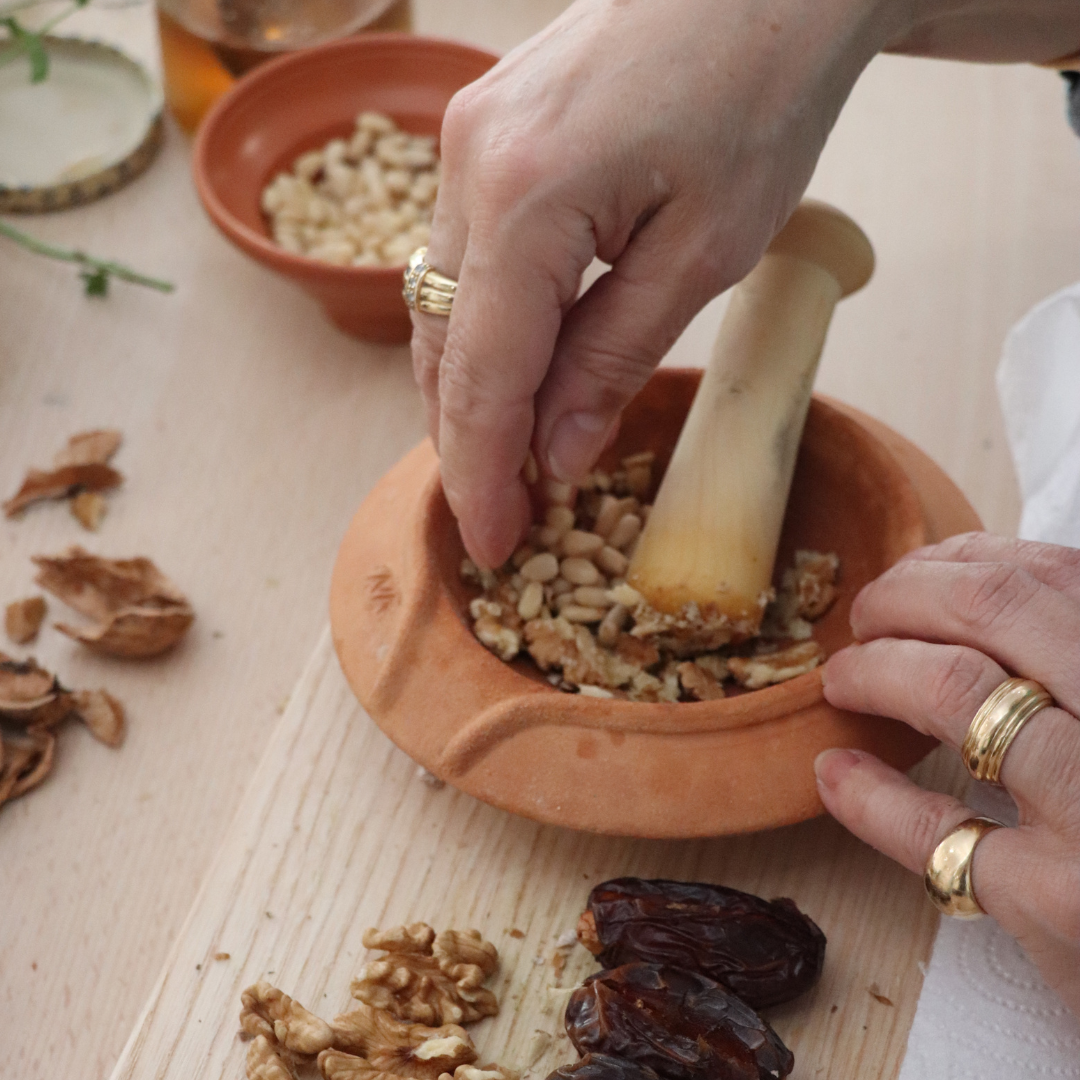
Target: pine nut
<point>579,571</point>
<point>611,513</point>
<point>592,596</point>
<point>626,532</point>
<point>577,613</point>
<point>557,493</point>
<point>579,543</point>
<point>565,600</point>
<point>611,627</point>
<point>612,562</point>
<point>560,517</point>
<point>559,587</point>
<point>588,690</point>
<point>542,567</point>
<point>544,536</point>
<point>522,555</point>
<point>532,601</point>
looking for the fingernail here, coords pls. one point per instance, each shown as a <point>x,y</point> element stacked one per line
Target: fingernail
<point>490,539</point>
<point>832,766</point>
<point>576,442</point>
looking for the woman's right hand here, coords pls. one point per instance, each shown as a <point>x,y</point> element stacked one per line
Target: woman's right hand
<point>671,140</point>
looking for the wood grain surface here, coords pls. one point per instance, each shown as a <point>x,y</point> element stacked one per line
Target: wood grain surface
<point>339,831</point>
<point>254,429</point>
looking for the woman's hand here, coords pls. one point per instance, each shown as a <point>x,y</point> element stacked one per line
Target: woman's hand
<point>671,140</point>
<point>938,632</point>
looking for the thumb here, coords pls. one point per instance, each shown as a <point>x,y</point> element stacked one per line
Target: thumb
<point>613,338</point>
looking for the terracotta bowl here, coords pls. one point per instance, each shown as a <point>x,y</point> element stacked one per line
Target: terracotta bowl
<point>298,103</point>
<point>398,612</point>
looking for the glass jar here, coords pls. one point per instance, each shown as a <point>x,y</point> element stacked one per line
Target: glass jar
<point>206,44</point>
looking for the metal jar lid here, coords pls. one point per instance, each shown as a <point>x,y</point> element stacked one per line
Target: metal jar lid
<point>93,124</point>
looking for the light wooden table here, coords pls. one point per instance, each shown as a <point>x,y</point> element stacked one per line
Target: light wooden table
<point>253,429</point>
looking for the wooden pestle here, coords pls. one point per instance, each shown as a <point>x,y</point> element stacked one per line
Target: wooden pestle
<point>712,534</point>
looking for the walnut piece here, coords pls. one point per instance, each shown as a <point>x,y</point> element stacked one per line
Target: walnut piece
<point>269,1012</point>
<point>23,619</point>
<point>697,682</point>
<point>399,1048</point>
<point>338,1065</point>
<point>137,610</point>
<point>754,672</point>
<point>88,508</point>
<point>102,714</point>
<point>429,979</point>
<point>264,1062</point>
<point>474,1072</point>
<point>813,581</point>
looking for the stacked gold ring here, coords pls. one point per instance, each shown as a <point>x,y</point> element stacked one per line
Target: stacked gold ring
<point>948,870</point>
<point>997,723</point>
<point>425,289</point>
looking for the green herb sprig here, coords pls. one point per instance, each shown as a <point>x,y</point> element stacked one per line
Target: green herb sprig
<point>95,273</point>
<point>24,41</point>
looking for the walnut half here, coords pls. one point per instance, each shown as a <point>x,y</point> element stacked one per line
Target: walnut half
<point>429,979</point>
<point>269,1012</point>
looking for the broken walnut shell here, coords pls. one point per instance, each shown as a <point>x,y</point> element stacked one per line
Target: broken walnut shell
<point>25,761</point>
<point>89,448</point>
<point>138,611</point>
<point>60,484</point>
<point>23,619</point>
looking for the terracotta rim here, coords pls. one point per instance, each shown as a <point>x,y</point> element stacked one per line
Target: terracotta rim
<point>257,79</point>
<point>502,734</point>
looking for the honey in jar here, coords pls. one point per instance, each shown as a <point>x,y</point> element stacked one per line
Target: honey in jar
<point>206,44</point>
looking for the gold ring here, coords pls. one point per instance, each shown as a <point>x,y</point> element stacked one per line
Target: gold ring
<point>997,723</point>
<point>425,288</point>
<point>948,870</point>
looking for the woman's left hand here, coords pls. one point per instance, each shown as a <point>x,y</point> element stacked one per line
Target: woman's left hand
<point>938,632</point>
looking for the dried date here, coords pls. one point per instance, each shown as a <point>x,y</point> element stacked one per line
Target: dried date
<point>681,1024</point>
<point>603,1067</point>
<point>765,951</point>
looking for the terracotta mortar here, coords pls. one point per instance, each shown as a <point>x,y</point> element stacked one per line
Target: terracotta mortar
<point>498,731</point>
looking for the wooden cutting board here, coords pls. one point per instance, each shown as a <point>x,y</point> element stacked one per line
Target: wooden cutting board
<point>339,831</point>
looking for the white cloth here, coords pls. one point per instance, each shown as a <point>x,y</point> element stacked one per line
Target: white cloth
<point>1039,387</point>
<point>984,1012</point>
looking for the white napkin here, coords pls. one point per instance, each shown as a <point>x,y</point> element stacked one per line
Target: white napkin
<point>984,1012</point>
<point>1039,386</point>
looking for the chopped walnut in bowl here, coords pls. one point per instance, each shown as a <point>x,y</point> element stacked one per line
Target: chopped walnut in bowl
<point>562,600</point>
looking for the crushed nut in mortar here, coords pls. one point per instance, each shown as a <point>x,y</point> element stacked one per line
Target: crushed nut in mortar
<point>562,600</point>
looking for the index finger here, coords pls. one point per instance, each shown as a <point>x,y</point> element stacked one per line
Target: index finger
<point>1052,564</point>
<point>516,277</point>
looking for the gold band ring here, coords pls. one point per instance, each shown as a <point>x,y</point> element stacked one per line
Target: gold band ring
<point>997,723</point>
<point>425,289</point>
<point>948,870</point>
